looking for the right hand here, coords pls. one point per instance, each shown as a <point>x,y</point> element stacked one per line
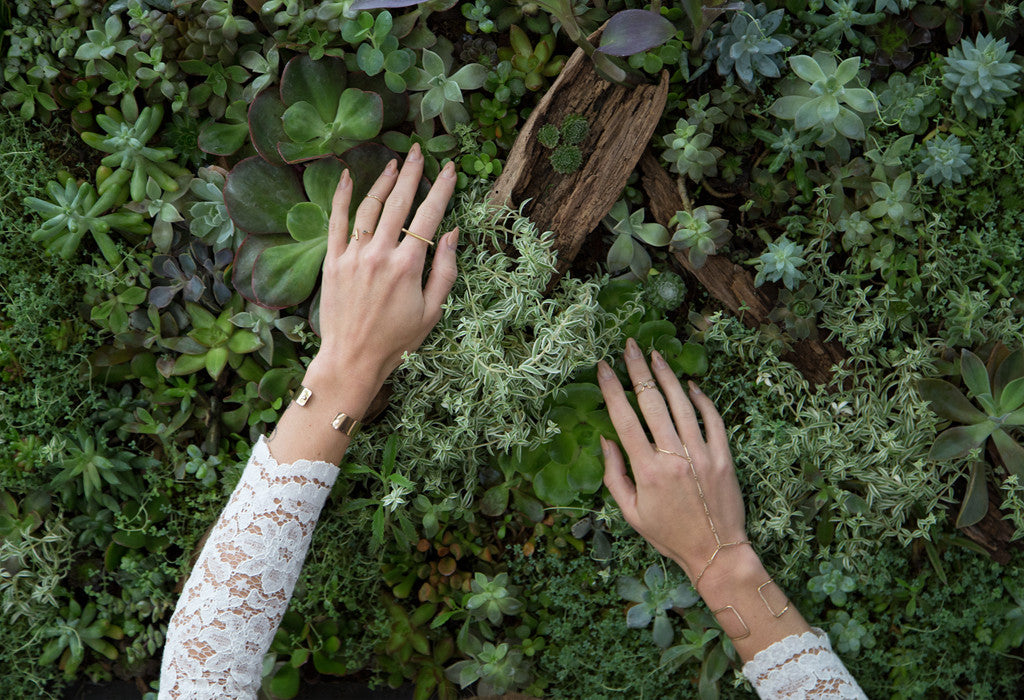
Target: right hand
<point>663,504</point>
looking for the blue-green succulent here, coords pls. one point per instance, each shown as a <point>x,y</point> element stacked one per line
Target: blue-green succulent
<point>780,262</point>
<point>749,47</point>
<point>981,75</point>
<point>945,161</point>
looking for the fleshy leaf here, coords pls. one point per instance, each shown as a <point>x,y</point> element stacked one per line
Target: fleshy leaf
<point>586,473</point>
<point>957,442</point>
<point>630,589</point>
<point>307,221</point>
<point>222,139</point>
<point>633,31</point>
<point>360,5</point>
<point>259,195</point>
<point>552,486</point>
<point>265,126</point>
<point>286,274</point>
<point>975,503</point>
<point>1010,452</point>
<point>975,375</point>
<point>302,123</point>
<point>662,633</point>
<point>1012,396</point>
<point>638,616</point>
<point>320,179</point>
<point>949,402</point>
<point>318,82</point>
<point>245,261</point>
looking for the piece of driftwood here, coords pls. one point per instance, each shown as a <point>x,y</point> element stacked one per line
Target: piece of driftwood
<point>730,283</point>
<point>622,120</point>
<point>993,532</point>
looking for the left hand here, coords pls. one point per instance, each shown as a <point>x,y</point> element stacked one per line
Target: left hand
<point>373,305</point>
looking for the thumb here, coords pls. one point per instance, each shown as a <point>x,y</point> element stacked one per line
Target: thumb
<point>619,484</point>
<point>442,275</point>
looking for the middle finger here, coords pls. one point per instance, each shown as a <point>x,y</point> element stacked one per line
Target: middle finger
<point>396,208</point>
<point>650,400</point>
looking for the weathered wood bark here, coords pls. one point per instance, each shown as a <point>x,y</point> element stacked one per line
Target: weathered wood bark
<point>622,121</point>
<point>993,532</point>
<point>730,283</point>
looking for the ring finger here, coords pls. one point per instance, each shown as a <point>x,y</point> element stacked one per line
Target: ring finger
<point>369,210</point>
<point>651,402</point>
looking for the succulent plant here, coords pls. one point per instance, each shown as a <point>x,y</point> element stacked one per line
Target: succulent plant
<point>566,159</point>
<point>77,209</point>
<point>894,205</point>
<point>575,129</point>
<point>845,16</point>
<point>780,262</point>
<point>654,598</point>
<point>532,63</point>
<point>209,218</point>
<point>981,74</point>
<point>999,390</point>
<point>442,94</point>
<point>822,99</point>
<point>690,152</point>
<point>630,229</point>
<point>832,582</point>
<point>499,668</point>
<point>548,136</point>
<point>909,101</point>
<point>492,598</point>
<point>162,209</point>
<point>285,215</point>
<point>749,46</point>
<point>127,134</point>
<point>945,161</point>
<point>798,311</point>
<point>77,629</point>
<point>664,290</point>
<point>213,343</point>
<point>195,273</point>
<point>701,232</point>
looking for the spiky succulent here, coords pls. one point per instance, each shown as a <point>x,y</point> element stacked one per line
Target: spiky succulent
<point>566,159</point>
<point>945,161</point>
<point>548,136</point>
<point>981,75</point>
<point>665,290</point>
<point>780,262</point>
<point>575,128</point>
<point>749,46</point>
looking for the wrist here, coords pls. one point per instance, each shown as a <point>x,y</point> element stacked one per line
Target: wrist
<point>350,390</point>
<point>732,570</point>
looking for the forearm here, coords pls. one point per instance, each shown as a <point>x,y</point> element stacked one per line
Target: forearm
<point>735,579</point>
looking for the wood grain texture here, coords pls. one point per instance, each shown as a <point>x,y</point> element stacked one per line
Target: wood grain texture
<point>622,121</point>
<point>731,284</point>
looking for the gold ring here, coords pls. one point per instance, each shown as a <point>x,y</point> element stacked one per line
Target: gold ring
<point>425,240</point>
<point>371,194</point>
<point>356,232</point>
<point>644,386</point>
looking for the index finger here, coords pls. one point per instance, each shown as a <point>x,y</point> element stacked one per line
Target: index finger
<point>627,425</point>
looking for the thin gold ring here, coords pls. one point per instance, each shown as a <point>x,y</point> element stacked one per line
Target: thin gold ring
<point>425,240</point>
<point>371,194</point>
<point>356,232</point>
<point>644,386</point>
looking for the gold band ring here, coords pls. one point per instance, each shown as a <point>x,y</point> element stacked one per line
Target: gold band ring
<point>356,232</point>
<point>641,387</point>
<point>425,240</point>
<point>373,196</point>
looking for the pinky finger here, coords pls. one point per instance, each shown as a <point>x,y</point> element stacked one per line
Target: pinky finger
<point>619,484</point>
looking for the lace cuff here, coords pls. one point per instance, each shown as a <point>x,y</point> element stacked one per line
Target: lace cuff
<point>240,586</point>
<point>801,666</point>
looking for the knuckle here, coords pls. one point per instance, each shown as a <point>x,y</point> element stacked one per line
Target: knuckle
<point>396,202</point>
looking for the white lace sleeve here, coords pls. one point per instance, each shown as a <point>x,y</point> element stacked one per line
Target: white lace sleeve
<point>801,666</point>
<point>239,588</point>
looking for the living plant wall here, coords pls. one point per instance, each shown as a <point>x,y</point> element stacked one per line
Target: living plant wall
<point>852,167</point>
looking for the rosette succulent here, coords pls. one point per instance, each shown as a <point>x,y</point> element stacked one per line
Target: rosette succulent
<point>823,99</point>
<point>780,262</point>
<point>690,151</point>
<point>654,598</point>
<point>945,161</point>
<point>749,46</point>
<point>981,75</point>
<point>701,232</point>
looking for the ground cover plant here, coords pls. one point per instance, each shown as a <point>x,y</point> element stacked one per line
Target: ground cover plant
<point>168,166</point>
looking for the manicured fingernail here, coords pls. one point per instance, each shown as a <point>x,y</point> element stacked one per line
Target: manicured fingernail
<point>657,360</point>
<point>694,388</point>
<point>453,238</point>
<point>392,167</point>
<point>346,180</point>
<point>604,370</point>
<point>604,445</point>
<point>414,153</point>
<point>632,349</point>
<point>449,169</point>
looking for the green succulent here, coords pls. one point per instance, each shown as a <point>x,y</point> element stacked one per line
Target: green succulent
<point>442,94</point>
<point>213,342</point>
<point>492,598</point>
<point>379,50</point>
<point>822,99</point>
<point>832,582</point>
<point>999,390</point>
<point>77,209</point>
<point>626,252</point>
<point>908,101</point>
<point>25,95</point>
<point>798,311</point>
<point>664,290</point>
<point>566,159</point>
<point>548,136</point>
<point>575,129</point>
<point>127,134</point>
<point>654,598</point>
<point>844,18</point>
<point>77,629</point>
<point>533,63</point>
<point>88,467</point>
<point>780,262</point>
<point>499,668</point>
<point>690,151</point>
<point>893,204</point>
<point>749,46</point>
<point>209,220</point>
<point>701,232</point>
<point>162,208</point>
<point>104,41</point>
<point>850,634</point>
<point>981,74</point>
<point>945,161</point>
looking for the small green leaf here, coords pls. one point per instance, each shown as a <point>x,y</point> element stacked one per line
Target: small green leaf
<point>285,683</point>
<point>975,503</point>
<point>552,486</point>
<point>307,221</point>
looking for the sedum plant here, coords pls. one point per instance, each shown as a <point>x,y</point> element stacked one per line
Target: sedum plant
<point>630,231</point>
<point>701,232</point>
<point>823,99</point>
<point>442,93</point>
<point>498,667</point>
<point>654,598</point>
<point>945,161</point>
<point>749,47</point>
<point>213,342</point>
<point>981,74</point>
<point>690,151</point>
<point>128,133</point>
<point>999,390</point>
<point>492,598</point>
<point>664,290</point>
<point>78,629</point>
